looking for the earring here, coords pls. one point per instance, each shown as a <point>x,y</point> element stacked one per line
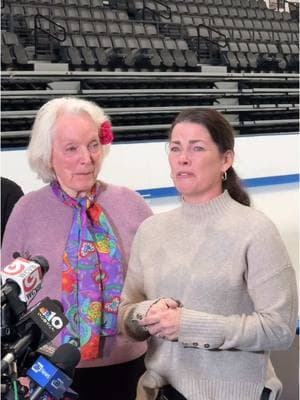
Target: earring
<point>224,176</point>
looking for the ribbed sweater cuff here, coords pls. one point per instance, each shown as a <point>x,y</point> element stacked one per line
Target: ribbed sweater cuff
<point>201,330</point>
<point>135,314</point>
<point>220,390</point>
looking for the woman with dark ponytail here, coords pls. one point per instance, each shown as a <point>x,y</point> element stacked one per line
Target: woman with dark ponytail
<point>221,133</point>
<point>210,284</point>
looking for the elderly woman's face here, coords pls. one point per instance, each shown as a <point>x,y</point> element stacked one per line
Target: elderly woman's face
<point>76,153</point>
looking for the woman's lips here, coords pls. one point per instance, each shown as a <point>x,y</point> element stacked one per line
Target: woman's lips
<point>184,174</point>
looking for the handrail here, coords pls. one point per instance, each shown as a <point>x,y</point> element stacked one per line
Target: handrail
<point>168,9</point>
<point>210,30</point>
<point>37,28</point>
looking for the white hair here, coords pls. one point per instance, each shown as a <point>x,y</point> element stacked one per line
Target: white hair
<point>41,140</point>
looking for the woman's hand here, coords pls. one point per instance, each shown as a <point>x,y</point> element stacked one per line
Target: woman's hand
<point>163,319</point>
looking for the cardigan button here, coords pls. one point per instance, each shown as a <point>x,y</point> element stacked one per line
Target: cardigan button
<point>206,346</point>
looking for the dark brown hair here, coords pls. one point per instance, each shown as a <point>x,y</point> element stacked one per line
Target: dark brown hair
<point>222,134</point>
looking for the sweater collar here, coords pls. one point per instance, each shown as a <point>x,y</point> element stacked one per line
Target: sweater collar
<point>215,207</point>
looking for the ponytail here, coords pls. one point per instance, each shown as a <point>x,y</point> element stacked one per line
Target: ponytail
<point>235,188</point>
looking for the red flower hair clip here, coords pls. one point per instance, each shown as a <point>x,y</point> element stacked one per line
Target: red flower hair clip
<point>106,134</point>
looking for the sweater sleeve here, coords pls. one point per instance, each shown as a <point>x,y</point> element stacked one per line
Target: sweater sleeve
<point>134,304</point>
<point>15,233</point>
<point>271,285</point>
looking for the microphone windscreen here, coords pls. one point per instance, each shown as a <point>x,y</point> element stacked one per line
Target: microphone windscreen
<point>66,357</point>
<point>42,261</point>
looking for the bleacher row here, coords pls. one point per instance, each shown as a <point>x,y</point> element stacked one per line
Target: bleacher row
<point>145,60</point>
<point>243,35</point>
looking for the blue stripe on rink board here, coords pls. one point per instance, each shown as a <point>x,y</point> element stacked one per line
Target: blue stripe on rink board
<point>251,182</point>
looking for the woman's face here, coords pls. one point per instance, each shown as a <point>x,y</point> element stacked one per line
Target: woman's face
<point>76,153</point>
<point>196,164</point>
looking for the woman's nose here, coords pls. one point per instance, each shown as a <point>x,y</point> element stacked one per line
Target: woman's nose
<point>184,157</point>
<point>85,155</point>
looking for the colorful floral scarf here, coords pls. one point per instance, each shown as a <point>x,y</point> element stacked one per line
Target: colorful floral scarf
<point>92,277</point>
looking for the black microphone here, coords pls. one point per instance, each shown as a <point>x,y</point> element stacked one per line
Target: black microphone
<point>40,325</point>
<point>54,377</point>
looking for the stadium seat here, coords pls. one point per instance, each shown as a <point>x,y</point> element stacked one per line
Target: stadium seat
<point>232,12</point>
<point>70,54</point>
<point>192,8</point>
<point>113,28</point>
<point>144,56</point>
<point>85,13</point>
<point>260,14</point>
<point>6,58</point>
<point>277,56</point>
<point>16,49</point>
<point>265,61</point>
<point>58,12</point>
<point>97,14</point>
<point>242,13</point>
<point>167,58</point>
<point>100,54</point>
<point>190,56</point>
<point>87,27</point>
<point>252,56</point>
<point>87,56</point>
<point>100,27</point>
<point>176,52</point>
<point>229,58</point>
<point>126,28</point>
<point>71,12</point>
<point>73,26</point>
<point>120,53</point>
<point>223,11</point>
<point>291,59</point>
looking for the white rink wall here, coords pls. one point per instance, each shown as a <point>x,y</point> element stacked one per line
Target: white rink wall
<point>269,164</point>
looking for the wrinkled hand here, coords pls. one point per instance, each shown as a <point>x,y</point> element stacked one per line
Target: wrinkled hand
<point>163,319</point>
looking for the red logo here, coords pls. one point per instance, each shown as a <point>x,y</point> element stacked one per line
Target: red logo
<point>15,268</point>
<point>32,281</point>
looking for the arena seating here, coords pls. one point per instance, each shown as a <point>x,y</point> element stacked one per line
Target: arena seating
<point>145,27</point>
<point>144,60</point>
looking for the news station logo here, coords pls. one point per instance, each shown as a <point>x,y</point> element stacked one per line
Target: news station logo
<point>49,317</point>
<point>39,368</point>
<point>28,275</point>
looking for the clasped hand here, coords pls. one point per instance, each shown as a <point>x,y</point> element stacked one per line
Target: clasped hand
<point>163,319</point>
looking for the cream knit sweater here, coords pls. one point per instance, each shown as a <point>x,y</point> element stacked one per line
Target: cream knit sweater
<point>228,266</point>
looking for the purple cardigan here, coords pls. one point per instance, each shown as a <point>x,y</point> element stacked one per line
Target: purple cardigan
<point>40,224</point>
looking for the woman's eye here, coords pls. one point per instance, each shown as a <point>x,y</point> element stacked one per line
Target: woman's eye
<point>71,149</point>
<point>94,146</point>
<point>198,148</point>
<point>174,149</point>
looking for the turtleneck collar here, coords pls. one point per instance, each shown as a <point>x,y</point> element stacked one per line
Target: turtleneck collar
<point>215,207</point>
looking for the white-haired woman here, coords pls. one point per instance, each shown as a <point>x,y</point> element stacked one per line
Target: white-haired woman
<point>84,227</point>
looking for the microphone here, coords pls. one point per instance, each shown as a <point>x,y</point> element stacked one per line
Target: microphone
<point>55,376</point>
<point>23,278</point>
<point>40,325</point>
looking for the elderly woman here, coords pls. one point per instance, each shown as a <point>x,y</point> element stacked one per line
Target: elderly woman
<point>84,227</point>
<point>224,291</point>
